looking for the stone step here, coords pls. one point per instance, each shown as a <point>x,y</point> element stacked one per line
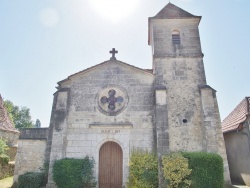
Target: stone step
<point>240,186</point>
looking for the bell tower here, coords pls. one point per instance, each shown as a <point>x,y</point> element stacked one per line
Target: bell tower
<point>187,115</point>
<point>178,68</point>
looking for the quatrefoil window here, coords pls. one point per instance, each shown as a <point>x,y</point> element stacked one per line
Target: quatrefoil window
<point>111,100</point>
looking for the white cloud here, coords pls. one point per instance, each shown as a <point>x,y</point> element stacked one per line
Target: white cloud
<point>49,17</point>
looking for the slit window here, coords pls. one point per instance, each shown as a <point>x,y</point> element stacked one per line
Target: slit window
<point>176,37</point>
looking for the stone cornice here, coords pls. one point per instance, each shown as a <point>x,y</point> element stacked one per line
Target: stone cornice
<point>193,55</point>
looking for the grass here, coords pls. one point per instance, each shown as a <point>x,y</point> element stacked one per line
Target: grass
<point>7,182</point>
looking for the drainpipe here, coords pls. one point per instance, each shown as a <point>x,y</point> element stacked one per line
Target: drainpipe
<point>247,123</point>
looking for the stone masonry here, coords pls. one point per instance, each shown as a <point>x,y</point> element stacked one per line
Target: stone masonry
<point>31,151</point>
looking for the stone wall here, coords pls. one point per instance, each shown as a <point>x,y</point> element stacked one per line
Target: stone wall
<point>161,37</point>
<point>182,77</point>
<point>34,133</point>
<point>30,156</point>
<point>238,153</point>
<point>213,140</point>
<point>31,151</point>
<point>10,137</point>
<point>11,152</point>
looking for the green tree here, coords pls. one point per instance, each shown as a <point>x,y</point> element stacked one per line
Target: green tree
<point>3,147</point>
<point>4,158</point>
<point>38,123</point>
<point>20,116</point>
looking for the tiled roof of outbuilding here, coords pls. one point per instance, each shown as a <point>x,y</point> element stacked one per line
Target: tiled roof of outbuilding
<point>237,116</point>
<point>5,123</point>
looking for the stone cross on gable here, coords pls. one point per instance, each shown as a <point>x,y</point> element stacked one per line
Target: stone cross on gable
<point>113,52</point>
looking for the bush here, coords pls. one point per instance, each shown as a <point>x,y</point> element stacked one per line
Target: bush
<point>31,180</point>
<point>70,172</point>
<point>45,170</point>
<point>143,171</point>
<point>3,147</point>
<point>4,159</point>
<point>175,170</point>
<point>6,170</point>
<point>207,169</point>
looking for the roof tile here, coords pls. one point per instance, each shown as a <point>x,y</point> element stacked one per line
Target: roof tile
<point>5,122</point>
<point>237,116</point>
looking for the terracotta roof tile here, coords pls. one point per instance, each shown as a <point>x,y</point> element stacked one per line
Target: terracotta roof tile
<point>237,116</point>
<point>5,122</point>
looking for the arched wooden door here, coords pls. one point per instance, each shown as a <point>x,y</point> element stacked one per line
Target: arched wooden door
<point>110,166</point>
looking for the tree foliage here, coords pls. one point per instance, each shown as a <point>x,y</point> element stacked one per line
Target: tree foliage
<point>176,171</point>
<point>207,169</point>
<point>3,147</point>
<point>77,173</point>
<point>143,170</point>
<point>4,158</point>
<point>31,180</point>
<point>20,116</point>
<point>38,123</point>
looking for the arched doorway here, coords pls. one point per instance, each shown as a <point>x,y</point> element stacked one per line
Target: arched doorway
<point>110,165</point>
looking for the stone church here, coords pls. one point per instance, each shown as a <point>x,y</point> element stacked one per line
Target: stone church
<point>110,109</point>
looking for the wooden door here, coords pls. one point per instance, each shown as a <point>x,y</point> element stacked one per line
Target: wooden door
<point>110,166</point>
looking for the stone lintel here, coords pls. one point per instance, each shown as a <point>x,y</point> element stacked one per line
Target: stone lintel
<point>111,125</point>
<point>160,87</point>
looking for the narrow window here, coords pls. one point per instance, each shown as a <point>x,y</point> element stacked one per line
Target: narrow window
<point>176,37</point>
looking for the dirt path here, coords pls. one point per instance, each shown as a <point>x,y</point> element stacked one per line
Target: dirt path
<point>6,183</point>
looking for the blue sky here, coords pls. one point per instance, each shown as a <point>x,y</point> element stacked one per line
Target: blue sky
<point>43,42</point>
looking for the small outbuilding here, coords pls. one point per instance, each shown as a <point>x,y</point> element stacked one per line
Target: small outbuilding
<point>8,132</point>
<point>235,129</point>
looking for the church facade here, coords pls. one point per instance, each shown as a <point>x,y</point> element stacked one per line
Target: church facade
<point>110,109</point>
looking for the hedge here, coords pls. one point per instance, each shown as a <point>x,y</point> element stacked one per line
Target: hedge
<point>77,173</point>
<point>207,169</point>
<point>176,170</point>
<point>31,180</point>
<point>143,170</point>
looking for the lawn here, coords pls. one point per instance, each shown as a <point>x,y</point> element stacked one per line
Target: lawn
<point>7,182</point>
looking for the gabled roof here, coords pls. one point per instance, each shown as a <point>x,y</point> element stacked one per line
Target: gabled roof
<point>147,71</point>
<point>170,11</point>
<point>5,122</point>
<point>237,116</point>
